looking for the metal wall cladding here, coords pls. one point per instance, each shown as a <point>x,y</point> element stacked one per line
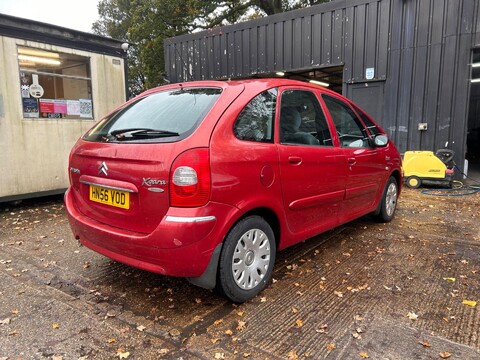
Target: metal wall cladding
<point>421,49</point>
<point>429,73</point>
<point>350,33</point>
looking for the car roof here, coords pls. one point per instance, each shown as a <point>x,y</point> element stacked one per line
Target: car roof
<point>257,84</point>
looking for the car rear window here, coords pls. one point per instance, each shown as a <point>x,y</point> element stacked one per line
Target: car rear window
<point>159,117</point>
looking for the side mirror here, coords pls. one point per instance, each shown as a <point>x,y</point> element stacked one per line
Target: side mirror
<point>380,140</point>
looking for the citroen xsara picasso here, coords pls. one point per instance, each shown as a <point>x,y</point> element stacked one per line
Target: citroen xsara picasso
<point>208,180</point>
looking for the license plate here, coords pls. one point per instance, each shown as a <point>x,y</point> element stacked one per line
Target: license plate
<point>110,197</point>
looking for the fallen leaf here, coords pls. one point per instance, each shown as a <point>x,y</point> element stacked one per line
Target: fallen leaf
<point>452,279</point>
<point>219,356</point>
<point>111,341</point>
<point>356,336</point>
<point>363,355</point>
<point>292,355</point>
<point>469,303</point>
<point>323,329</point>
<point>292,267</point>
<point>338,293</point>
<point>445,355</point>
<point>299,323</point>
<point>240,313</point>
<point>241,325</point>
<point>425,343</point>
<point>412,316</point>
<point>229,332</point>
<point>263,299</point>
<point>294,310</point>
<point>141,328</point>
<point>163,351</point>
<point>214,341</point>
<point>217,322</point>
<point>15,312</point>
<point>55,326</point>
<point>246,355</point>
<point>122,355</point>
<point>331,346</point>
<point>5,321</point>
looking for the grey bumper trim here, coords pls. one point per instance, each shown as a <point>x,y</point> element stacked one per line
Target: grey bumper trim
<point>185,219</point>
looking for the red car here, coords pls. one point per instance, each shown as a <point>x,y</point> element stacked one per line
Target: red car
<point>207,180</point>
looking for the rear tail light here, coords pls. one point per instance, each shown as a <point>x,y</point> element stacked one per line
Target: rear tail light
<point>190,179</point>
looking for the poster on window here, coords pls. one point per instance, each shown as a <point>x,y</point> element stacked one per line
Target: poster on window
<point>60,106</point>
<point>86,110</point>
<point>30,108</point>
<point>73,107</point>
<point>47,106</point>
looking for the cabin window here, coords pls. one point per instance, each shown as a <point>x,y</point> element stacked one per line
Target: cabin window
<point>54,85</point>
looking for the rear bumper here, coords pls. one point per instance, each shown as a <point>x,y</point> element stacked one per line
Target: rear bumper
<point>181,245</point>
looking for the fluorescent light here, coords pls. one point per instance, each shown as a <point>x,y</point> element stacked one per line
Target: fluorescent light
<point>39,59</point>
<point>476,64</point>
<point>475,80</point>
<point>35,52</point>
<point>280,73</point>
<point>321,83</point>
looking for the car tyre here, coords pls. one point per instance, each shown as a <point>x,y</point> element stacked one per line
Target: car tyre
<point>247,259</point>
<point>388,202</point>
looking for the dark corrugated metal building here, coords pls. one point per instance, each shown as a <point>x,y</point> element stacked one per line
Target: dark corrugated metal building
<point>406,62</point>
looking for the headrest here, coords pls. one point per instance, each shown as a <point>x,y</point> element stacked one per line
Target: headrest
<point>290,119</point>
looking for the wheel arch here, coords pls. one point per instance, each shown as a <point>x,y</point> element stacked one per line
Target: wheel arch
<point>208,279</point>
<point>398,177</point>
<point>270,217</point>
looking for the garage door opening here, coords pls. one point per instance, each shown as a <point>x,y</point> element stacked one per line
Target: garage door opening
<point>333,76</point>
<point>473,130</point>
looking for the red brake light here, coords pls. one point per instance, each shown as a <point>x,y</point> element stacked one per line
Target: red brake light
<point>190,179</point>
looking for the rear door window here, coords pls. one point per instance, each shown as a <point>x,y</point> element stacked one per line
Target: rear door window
<point>159,117</point>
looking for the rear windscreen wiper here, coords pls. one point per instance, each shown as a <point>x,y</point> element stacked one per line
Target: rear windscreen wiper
<point>121,134</point>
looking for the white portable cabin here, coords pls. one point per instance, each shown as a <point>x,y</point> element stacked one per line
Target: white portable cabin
<point>55,83</point>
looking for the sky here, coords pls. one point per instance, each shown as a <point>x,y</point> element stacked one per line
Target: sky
<point>72,14</point>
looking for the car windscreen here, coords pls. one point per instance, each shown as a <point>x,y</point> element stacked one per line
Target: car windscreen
<point>164,116</point>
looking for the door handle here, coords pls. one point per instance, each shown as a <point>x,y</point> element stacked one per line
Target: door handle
<point>297,160</point>
<point>352,161</point>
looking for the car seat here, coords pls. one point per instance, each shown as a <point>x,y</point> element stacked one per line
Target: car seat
<point>290,121</point>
